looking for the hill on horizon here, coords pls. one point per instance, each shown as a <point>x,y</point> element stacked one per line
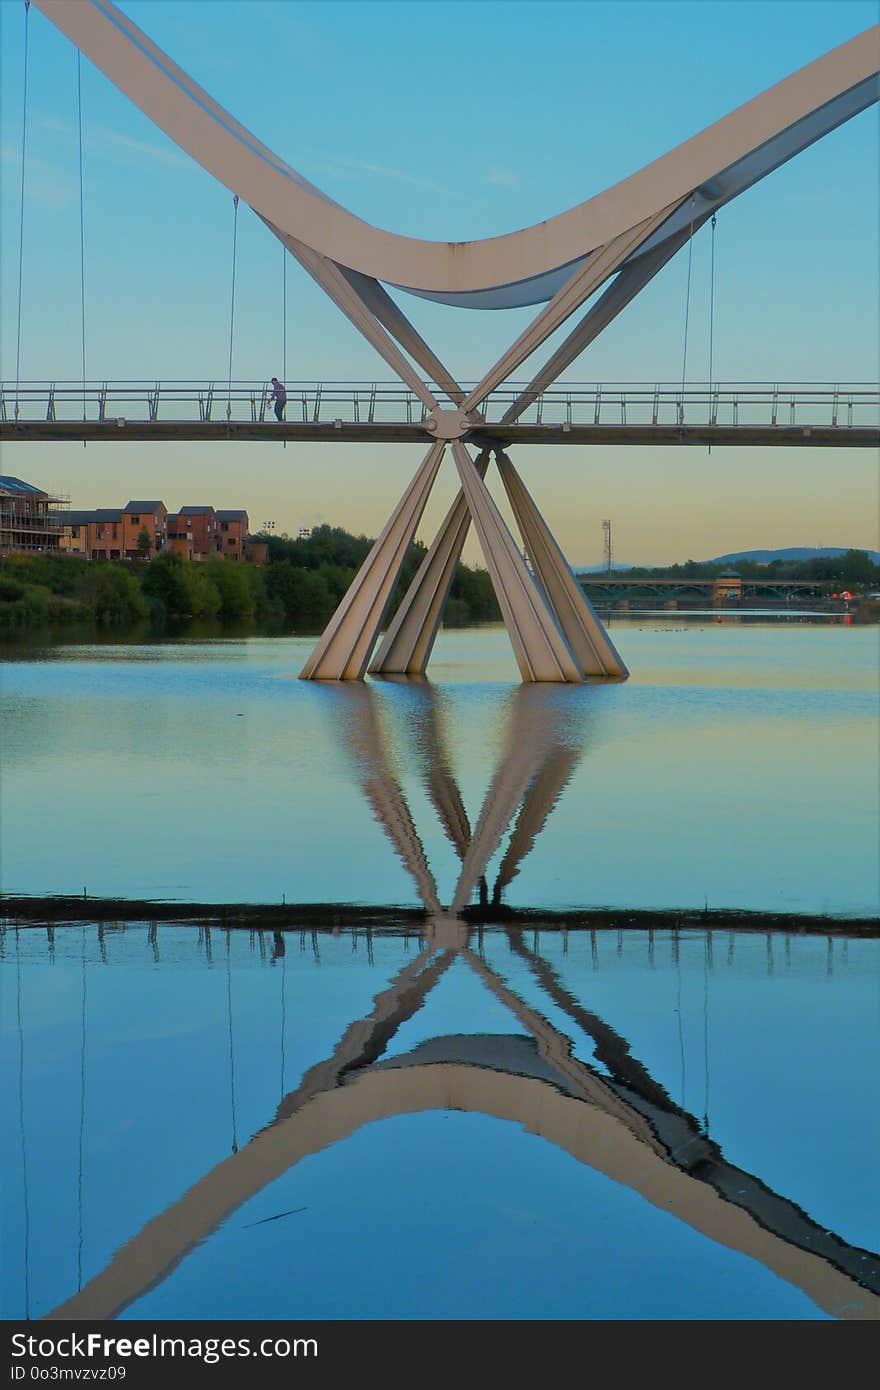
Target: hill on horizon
<point>798,552</point>
<point>759,557</point>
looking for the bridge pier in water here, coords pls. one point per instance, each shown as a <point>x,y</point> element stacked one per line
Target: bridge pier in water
<point>555,632</point>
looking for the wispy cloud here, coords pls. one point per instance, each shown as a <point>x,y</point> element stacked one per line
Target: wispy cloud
<point>47,186</point>
<point>359,169</point>
<point>138,153</point>
<point>107,142</point>
<point>505,178</point>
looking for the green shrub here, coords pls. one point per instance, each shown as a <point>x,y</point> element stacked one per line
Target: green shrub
<point>11,590</point>
<point>181,587</point>
<point>114,595</point>
<point>237,604</point>
<point>307,601</point>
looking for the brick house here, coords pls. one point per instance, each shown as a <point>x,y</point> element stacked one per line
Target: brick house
<point>233,534</point>
<point>138,516</point>
<point>105,534</point>
<point>256,552</point>
<point>76,532</point>
<point>195,531</point>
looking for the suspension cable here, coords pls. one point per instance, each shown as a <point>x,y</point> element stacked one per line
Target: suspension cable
<point>232,305</point>
<point>27,11</point>
<point>284,320</point>
<point>82,238</point>
<point>712,309</point>
<point>687,304</point>
<point>712,323</point>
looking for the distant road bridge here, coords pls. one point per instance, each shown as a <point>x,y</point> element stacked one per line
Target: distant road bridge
<point>612,588</point>
<point>724,413</point>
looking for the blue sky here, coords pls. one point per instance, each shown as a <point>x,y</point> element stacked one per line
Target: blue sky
<point>446,120</point>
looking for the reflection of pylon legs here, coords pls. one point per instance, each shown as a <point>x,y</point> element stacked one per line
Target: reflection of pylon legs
<point>345,647</point>
<point>360,725</point>
<point>439,780</point>
<point>538,802</point>
<point>532,747</point>
<point>589,642</point>
<point>406,648</point>
<point>542,652</point>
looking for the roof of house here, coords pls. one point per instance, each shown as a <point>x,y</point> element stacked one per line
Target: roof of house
<point>73,518</point>
<point>9,484</point>
<point>232,516</point>
<point>107,514</point>
<point>195,511</point>
<point>149,507</point>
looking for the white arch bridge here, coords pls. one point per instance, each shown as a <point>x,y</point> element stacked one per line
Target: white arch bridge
<point>612,245</point>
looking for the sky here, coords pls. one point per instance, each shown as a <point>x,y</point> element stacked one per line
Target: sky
<point>446,121</point>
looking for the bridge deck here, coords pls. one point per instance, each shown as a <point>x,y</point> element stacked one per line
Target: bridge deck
<point>362,432</point>
<point>370,412</point>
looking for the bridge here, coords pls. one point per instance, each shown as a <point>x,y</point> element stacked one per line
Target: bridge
<point>597,258</point>
<point>612,588</point>
<point>737,413</point>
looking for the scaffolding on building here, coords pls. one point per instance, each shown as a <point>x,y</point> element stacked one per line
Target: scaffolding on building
<point>30,518</point>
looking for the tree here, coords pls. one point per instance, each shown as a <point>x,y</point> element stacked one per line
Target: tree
<point>144,544</point>
<point>115,596</point>
<point>236,596</point>
<point>181,588</point>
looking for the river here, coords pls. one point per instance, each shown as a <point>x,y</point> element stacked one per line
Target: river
<point>460,1000</point>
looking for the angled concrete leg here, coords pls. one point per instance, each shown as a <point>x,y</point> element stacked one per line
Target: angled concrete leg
<point>591,646</point>
<point>541,650</point>
<point>407,645</point>
<point>345,646</point>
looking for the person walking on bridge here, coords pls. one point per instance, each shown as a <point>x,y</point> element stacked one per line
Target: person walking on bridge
<point>279,396</point>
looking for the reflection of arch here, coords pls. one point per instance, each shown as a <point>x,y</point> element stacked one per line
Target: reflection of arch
<point>586,1132</point>
<point>630,1133</point>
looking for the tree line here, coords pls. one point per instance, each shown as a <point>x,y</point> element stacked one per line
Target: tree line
<point>854,569</point>
<point>298,590</point>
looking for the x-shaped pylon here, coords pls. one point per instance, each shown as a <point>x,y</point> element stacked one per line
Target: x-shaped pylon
<point>555,632</point>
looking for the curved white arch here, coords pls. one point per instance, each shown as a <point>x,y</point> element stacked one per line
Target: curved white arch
<point>598,1139</point>
<point>522,267</point>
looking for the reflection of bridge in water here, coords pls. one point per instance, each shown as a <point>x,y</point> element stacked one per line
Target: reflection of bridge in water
<point>610,1114</point>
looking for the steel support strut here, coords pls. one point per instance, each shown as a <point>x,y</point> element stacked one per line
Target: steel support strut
<point>590,644</point>
<point>407,645</point>
<point>347,642</point>
<point>541,650</point>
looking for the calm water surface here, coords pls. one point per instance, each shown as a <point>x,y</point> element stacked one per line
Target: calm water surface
<point>212,1124</point>
<point>737,767</point>
<point>452,1122</point>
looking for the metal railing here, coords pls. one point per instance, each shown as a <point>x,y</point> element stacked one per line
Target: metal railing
<point>838,406</point>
